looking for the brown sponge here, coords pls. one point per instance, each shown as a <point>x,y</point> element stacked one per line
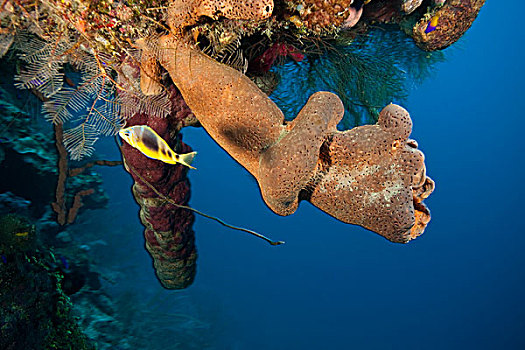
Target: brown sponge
<point>186,13</point>
<point>371,176</point>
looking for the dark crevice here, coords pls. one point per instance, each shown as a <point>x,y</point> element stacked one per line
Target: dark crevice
<point>324,163</point>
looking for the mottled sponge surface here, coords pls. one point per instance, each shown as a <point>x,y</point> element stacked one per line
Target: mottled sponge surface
<point>372,175</point>
<point>186,13</point>
<point>241,118</point>
<point>288,166</point>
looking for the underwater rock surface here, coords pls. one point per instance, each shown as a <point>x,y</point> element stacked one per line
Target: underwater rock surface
<point>30,157</point>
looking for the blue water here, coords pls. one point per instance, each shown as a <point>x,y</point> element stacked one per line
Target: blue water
<point>337,286</point>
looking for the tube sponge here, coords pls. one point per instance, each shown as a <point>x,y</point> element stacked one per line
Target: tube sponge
<point>455,18</point>
<point>289,165</point>
<point>168,230</point>
<point>186,13</point>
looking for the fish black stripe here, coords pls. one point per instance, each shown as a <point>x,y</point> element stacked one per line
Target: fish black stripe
<point>150,141</point>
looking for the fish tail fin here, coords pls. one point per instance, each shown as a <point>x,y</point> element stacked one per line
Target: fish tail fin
<point>187,159</point>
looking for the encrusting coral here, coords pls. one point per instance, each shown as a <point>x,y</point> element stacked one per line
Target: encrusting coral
<point>364,176</point>
<point>455,17</point>
<point>318,15</point>
<point>185,13</point>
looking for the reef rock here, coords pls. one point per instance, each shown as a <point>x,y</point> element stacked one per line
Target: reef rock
<point>30,157</point>
<point>408,6</point>
<point>35,313</point>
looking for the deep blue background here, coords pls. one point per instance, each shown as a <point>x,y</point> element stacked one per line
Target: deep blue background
<point>337,286</point>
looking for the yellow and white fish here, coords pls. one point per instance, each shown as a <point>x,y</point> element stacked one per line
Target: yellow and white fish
<point>147,141</point>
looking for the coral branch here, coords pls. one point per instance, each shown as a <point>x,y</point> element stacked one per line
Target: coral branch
<point>77,203</point>
<point>59,206</point>
<point>172,202</point>
<point>79,170</point>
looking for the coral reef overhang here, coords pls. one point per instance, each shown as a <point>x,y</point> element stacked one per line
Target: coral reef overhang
<point>372,175</point>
